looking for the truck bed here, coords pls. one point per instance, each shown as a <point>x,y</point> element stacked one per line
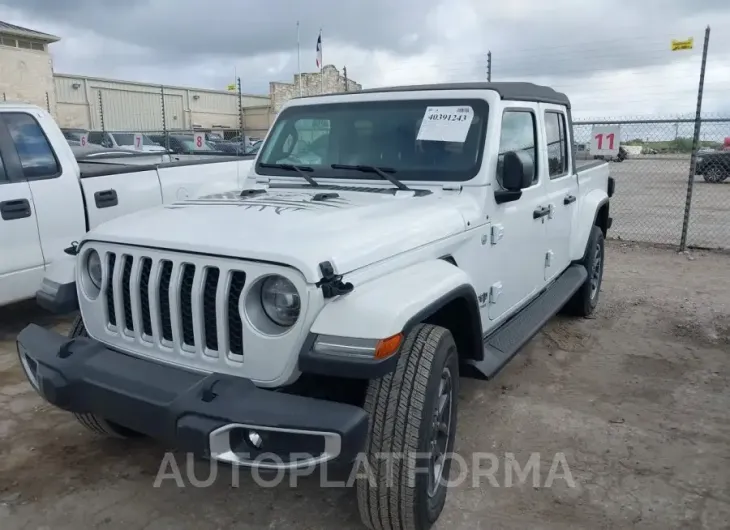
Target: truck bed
<point>98,168</point>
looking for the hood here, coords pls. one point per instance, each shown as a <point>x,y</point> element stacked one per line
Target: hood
<point>351,230</point>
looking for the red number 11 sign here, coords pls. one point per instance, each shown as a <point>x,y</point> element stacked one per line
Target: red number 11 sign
<point>605,140</point>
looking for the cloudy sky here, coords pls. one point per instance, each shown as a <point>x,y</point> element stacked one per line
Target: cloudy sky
<point>613,57</point>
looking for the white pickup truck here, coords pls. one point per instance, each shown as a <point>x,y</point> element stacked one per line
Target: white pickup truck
<point>324,314</point>
<point>48,198</point>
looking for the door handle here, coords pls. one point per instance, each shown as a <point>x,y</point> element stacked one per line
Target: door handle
<point>569,199</point>
<point>15,209</point>
<point>106,198</point>
<point>542,211</point>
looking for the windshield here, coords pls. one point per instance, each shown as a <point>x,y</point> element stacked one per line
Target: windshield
<point>128,139</point>
<point>437,140</point>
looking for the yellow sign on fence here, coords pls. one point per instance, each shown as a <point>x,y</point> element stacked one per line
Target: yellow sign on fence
<point>682,44</point>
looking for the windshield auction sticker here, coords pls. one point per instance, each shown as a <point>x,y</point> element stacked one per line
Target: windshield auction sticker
<point>446,124</point>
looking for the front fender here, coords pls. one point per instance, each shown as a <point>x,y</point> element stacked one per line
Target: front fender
<point>58,289</point>
<point>584,221</point>
<point>390,304</point>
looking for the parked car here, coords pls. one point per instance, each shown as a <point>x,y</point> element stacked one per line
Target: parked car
<point>184,144</point>
<point>73,135</point>
<point>325,313</point>
<point>120,140</point>
<point>254,148</point>
<point>49,199</point>
<point>713,166</point>
<point>229,147</point>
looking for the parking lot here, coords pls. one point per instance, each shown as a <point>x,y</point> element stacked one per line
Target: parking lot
<point>636,399</point>
<point>650,199</point>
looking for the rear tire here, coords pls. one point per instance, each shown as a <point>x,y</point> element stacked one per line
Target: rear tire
<point>91,421</point>
<point>714,175</point>
<point>412,411</point>
<point>585,299</point>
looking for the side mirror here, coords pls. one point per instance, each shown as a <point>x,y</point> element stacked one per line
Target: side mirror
<point>518,171</point>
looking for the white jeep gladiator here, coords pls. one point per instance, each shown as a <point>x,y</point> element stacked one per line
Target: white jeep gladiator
<point>385,243</point>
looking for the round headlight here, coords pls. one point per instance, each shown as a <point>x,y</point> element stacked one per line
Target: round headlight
<point>93,267</point>
<point>280,300</point>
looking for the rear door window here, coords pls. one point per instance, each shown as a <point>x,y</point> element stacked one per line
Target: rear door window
<point>557,144</point>
<point>34,150</point>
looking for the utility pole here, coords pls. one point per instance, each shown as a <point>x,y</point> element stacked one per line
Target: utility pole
<point>164,118</point>
<point>695,143</point>
<point>240,109</point>
<point>101,110</point>
<point>489,66</point>
<point>344,71</point>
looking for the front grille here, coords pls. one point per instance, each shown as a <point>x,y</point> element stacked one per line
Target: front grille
<point>175,304</point>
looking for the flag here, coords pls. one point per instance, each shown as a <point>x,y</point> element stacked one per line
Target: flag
<point>232,86</point>
<point>319,50</point>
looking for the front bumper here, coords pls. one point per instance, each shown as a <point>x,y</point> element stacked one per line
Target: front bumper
<point>210,415</point>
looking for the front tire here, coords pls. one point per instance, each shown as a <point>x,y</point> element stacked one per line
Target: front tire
<point>92,422</point>
<point>585,299</point>
<point>413,411</point>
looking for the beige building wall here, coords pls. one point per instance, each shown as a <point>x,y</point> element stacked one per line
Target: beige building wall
<point>129,106</point>
<point>329,82</point>
<point>258,120</point>
<point>27,76</point>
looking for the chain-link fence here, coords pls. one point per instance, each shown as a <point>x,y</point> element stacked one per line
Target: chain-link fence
<point>656,201</point>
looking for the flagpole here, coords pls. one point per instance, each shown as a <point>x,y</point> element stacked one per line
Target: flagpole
<point>299,62</point>
<point>321,63</point>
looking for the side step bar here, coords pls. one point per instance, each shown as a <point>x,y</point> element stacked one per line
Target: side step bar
<point>504,343</point>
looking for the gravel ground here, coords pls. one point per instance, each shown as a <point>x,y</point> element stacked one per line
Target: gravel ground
<point>637,400</point>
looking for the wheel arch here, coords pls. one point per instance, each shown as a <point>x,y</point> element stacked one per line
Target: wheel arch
<point>457,311</point>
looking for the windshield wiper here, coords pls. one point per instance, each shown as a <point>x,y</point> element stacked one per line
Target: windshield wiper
<point>291,167</point>
<point>380,171</point>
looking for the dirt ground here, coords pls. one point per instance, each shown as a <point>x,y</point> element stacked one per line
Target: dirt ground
<point>637,400</point>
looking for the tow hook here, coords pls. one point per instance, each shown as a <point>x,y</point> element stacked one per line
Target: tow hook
<point>331,283</point>
<point>73,250</point>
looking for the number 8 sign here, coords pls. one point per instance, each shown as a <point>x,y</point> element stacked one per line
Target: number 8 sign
<point>605,140</point>
<point>199,140</point>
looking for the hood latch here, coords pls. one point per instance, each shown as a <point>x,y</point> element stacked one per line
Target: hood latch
<point>331,283</point>
<point>73,250</point>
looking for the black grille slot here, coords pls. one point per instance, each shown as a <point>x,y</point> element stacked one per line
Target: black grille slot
<point>112,259</point>
<point>126,292</point>
<point>186,304</point>
<point>209,317</point>
<point>164,296</point>
<point>144,296</point>
<point>235,326</point>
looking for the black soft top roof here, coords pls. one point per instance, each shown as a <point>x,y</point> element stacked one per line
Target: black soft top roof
<point>507,90</point>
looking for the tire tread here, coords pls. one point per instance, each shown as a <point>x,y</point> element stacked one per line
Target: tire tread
<point>395,404</point>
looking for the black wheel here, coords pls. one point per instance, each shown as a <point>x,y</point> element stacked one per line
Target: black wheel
<point>714,174</point>
<point>413,413</point>
<point>91,421</point>
<point>585,299</point>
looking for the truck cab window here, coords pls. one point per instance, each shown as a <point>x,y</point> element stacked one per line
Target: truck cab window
<point>519,133</point>
<point>557,144</point>
<point>35,152</point>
